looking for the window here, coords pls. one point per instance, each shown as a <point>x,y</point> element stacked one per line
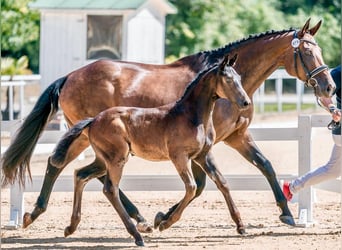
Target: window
<point>104,36</point>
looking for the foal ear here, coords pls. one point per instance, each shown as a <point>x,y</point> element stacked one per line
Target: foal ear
<point>314,29</point>
<point>305,28</point>
<point>233,60</point>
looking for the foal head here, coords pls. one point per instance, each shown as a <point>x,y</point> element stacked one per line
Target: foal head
<point>229,84</point>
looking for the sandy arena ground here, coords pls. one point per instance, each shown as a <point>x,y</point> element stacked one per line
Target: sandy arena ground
<point>205,224</point>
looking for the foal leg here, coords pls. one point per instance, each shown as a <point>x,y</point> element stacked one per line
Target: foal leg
<point>50,177</point>
<point>209,166</point>
<point>200,179</point>
<point>111,186</point>
<point>246,146</point>
<point>82,176</point>
<point>184,172</point>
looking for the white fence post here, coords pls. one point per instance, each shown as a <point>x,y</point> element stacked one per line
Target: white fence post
<point>17,208</point>
<point>304,163</point>
<point>16,193</point>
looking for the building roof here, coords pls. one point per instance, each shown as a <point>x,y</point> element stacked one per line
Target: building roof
<point>98,4</point>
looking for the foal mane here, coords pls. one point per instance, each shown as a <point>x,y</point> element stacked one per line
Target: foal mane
<point>195,81</point>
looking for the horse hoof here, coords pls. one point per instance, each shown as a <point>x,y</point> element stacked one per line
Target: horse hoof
<point>144,227</point>
<point>140,243</point>
<point>287,220</point>
<point>158,219</point>
<point>27,220</point>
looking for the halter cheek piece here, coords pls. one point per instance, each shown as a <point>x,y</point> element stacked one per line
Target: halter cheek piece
<point>310,80</point>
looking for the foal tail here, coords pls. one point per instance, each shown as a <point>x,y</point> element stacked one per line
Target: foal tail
<point>61,150</point>
<point>17,157</point>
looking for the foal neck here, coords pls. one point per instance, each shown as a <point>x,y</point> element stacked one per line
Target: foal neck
<point>199,96</point>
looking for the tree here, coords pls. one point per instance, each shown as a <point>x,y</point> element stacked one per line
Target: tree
<point>204,25</point>
<point>20,31</point>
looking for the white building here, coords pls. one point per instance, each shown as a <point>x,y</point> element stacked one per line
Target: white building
<point>76,32</point>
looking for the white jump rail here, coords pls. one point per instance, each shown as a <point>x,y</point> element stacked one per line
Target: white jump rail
<point>301,134</point>
<point>17,81</point>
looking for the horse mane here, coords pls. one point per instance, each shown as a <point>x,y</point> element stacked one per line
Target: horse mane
<point>208,57</point>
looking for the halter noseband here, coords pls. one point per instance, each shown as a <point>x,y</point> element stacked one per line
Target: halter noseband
<point>310,80</point>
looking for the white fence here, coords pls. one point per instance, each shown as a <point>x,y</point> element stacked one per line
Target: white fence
<point>302,134</point>
<point>17,81</point>
<point>259,97</point>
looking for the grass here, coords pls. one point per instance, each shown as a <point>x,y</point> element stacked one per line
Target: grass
<point>273,107</point>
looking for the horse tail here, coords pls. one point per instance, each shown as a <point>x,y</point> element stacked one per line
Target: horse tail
<point>61,150</point>
<point>17,157</point>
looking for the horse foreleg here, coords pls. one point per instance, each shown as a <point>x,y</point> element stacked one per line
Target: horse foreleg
<point>50,177</point>
<point>246,146</point>
<point>200,179</point>
<point>208,164</point>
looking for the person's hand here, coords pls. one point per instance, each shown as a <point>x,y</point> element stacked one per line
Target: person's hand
<point>336,115</point>
<point>335,112</point>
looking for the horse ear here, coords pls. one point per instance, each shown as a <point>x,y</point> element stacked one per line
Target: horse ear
<point>224,62</point>
<point>233,60</point>
<point>305,28</point>
<point>314,29</point>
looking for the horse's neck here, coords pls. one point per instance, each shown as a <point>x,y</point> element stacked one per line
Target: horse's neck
<point>198,99</point>
<point>259,60</point>
<point>258,57</point>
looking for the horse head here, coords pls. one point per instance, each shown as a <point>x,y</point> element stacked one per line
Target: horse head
<point>305,61</point>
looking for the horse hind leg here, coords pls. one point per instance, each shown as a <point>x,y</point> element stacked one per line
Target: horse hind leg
<point>51,175</point>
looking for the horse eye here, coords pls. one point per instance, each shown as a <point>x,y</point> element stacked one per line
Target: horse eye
<point>308,52</point>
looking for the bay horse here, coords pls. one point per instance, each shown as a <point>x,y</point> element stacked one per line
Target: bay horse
<point>180,131</point>
<point>104,83</point>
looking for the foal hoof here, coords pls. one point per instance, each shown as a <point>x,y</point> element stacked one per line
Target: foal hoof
<point>139,243</point>
<point>27,220</point>
<point>68,231</point>
<point>287,219</point>
<point>158,219</point>
<point>144,227</point>
<point>241,230</point>
<point>163,226</point>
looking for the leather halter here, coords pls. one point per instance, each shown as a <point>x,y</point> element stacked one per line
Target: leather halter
<point>310,80</point>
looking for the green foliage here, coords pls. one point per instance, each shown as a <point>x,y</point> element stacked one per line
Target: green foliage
<point>20,31</point>
<point>208,24</point>
<point>11,66</point>
<point>198,25</point>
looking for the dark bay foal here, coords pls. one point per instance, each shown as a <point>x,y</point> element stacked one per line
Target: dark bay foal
<point>181,131</point>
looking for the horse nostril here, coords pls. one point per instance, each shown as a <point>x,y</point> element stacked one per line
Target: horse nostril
<point>246,103</point>
<point>330,89</point>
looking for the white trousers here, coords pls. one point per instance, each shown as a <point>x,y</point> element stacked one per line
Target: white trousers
<point>331,170</point>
